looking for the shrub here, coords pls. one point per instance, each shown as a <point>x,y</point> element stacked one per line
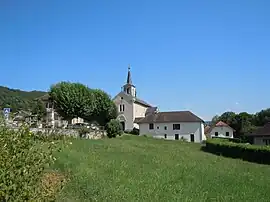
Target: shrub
<point>253,153</point>
<point>23,160</point>
<point>83,131</point>
<point>114,128</point>
<point>135,131</point>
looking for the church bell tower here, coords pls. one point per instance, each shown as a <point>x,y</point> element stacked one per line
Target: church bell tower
<point>129,88</point>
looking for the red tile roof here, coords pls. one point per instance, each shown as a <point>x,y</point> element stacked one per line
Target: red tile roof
<point>221,123</point>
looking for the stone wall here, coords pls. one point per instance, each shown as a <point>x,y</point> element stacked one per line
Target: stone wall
<point>93,134</point>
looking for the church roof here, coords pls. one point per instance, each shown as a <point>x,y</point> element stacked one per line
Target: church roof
<point>142,102</point>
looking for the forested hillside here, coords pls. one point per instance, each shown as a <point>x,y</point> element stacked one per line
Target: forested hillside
<point>17,99</point>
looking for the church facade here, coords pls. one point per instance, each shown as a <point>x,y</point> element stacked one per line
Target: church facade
<point>130,107</point>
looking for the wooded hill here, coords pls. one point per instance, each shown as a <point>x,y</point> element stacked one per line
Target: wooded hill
<point>18,99</point>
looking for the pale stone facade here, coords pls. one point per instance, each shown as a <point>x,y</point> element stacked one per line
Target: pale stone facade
<point>129,106</point>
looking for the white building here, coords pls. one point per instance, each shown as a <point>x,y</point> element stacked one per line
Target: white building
<point>52,118</point>
<point>173,125</point>
<point>130,107</point>
<point>221,129</point>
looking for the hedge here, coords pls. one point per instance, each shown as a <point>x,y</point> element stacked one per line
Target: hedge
<point>247,152</point>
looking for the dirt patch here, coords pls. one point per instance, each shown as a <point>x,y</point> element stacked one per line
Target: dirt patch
<point>51,185</point>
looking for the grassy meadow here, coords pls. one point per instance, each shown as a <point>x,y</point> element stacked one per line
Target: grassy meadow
<point>132,168</point>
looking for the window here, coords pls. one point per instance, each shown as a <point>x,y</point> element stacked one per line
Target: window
<point>165,136</point>
<point>176,136</point>
<point>176,126</point>
<point>122,108</point>
<point>216,133</point>
<point>165,127</point>
<point>151,126</point>
<point>266,141</point>
<point>157,127</point>
<point>227,134</point>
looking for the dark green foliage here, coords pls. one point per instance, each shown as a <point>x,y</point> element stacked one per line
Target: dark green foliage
<point>38,109</point>
<point>134,131</point>
<point>224,147</point>
<point>114,128</point>
<point>105,109</point>
<point>18,99</point>
<point>83,131</point>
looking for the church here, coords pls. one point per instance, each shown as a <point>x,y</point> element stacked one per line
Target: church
<point>130,107</point>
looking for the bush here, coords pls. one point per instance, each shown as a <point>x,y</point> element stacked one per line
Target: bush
<point>114,128</point>
<point>83,131</point>
<point>135,131</point>
<point>253,153</point>
<point>23,160</point>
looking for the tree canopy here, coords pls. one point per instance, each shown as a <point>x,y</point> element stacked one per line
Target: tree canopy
<point>244,122</point>
<point>72,100</point>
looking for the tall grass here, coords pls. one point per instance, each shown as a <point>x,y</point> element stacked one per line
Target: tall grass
<point>134,168</point>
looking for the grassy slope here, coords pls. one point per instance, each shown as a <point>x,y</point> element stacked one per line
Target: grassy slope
<point>144,169</point>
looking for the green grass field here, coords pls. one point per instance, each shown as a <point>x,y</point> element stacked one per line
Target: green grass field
<point>134,168</point>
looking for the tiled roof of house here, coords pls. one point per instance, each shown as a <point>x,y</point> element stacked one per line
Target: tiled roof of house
<point>262,131</point>
<point>173,116</point>
<point>221,123</point>
<point>136,120</point>
<point>218,124</point>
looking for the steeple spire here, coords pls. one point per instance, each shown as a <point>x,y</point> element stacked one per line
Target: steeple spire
<point>129,88</point>
<point>129,81</point>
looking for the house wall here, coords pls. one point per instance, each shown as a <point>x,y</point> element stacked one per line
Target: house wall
<point>127,114</point>
<point>77,120</point>
<point>138,111</point>
<point>260,140</point>
<point>186,128</point>
<point>222,131</point>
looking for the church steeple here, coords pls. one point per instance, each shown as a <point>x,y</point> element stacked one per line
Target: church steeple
<point>129,81</point>
<point>129,88</point>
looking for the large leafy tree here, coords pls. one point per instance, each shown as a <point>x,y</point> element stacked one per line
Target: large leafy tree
<point>72,100</point>
<point>104,109</point>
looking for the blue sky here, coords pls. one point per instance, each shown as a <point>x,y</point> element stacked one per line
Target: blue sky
<point>205,56</point>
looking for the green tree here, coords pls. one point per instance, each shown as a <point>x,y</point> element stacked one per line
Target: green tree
<point>262,117</point>
<point>214,120</point>
<point>104,110</point>
<point>72,100</point>
<point>39,109</point>
<point>113,128</point>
